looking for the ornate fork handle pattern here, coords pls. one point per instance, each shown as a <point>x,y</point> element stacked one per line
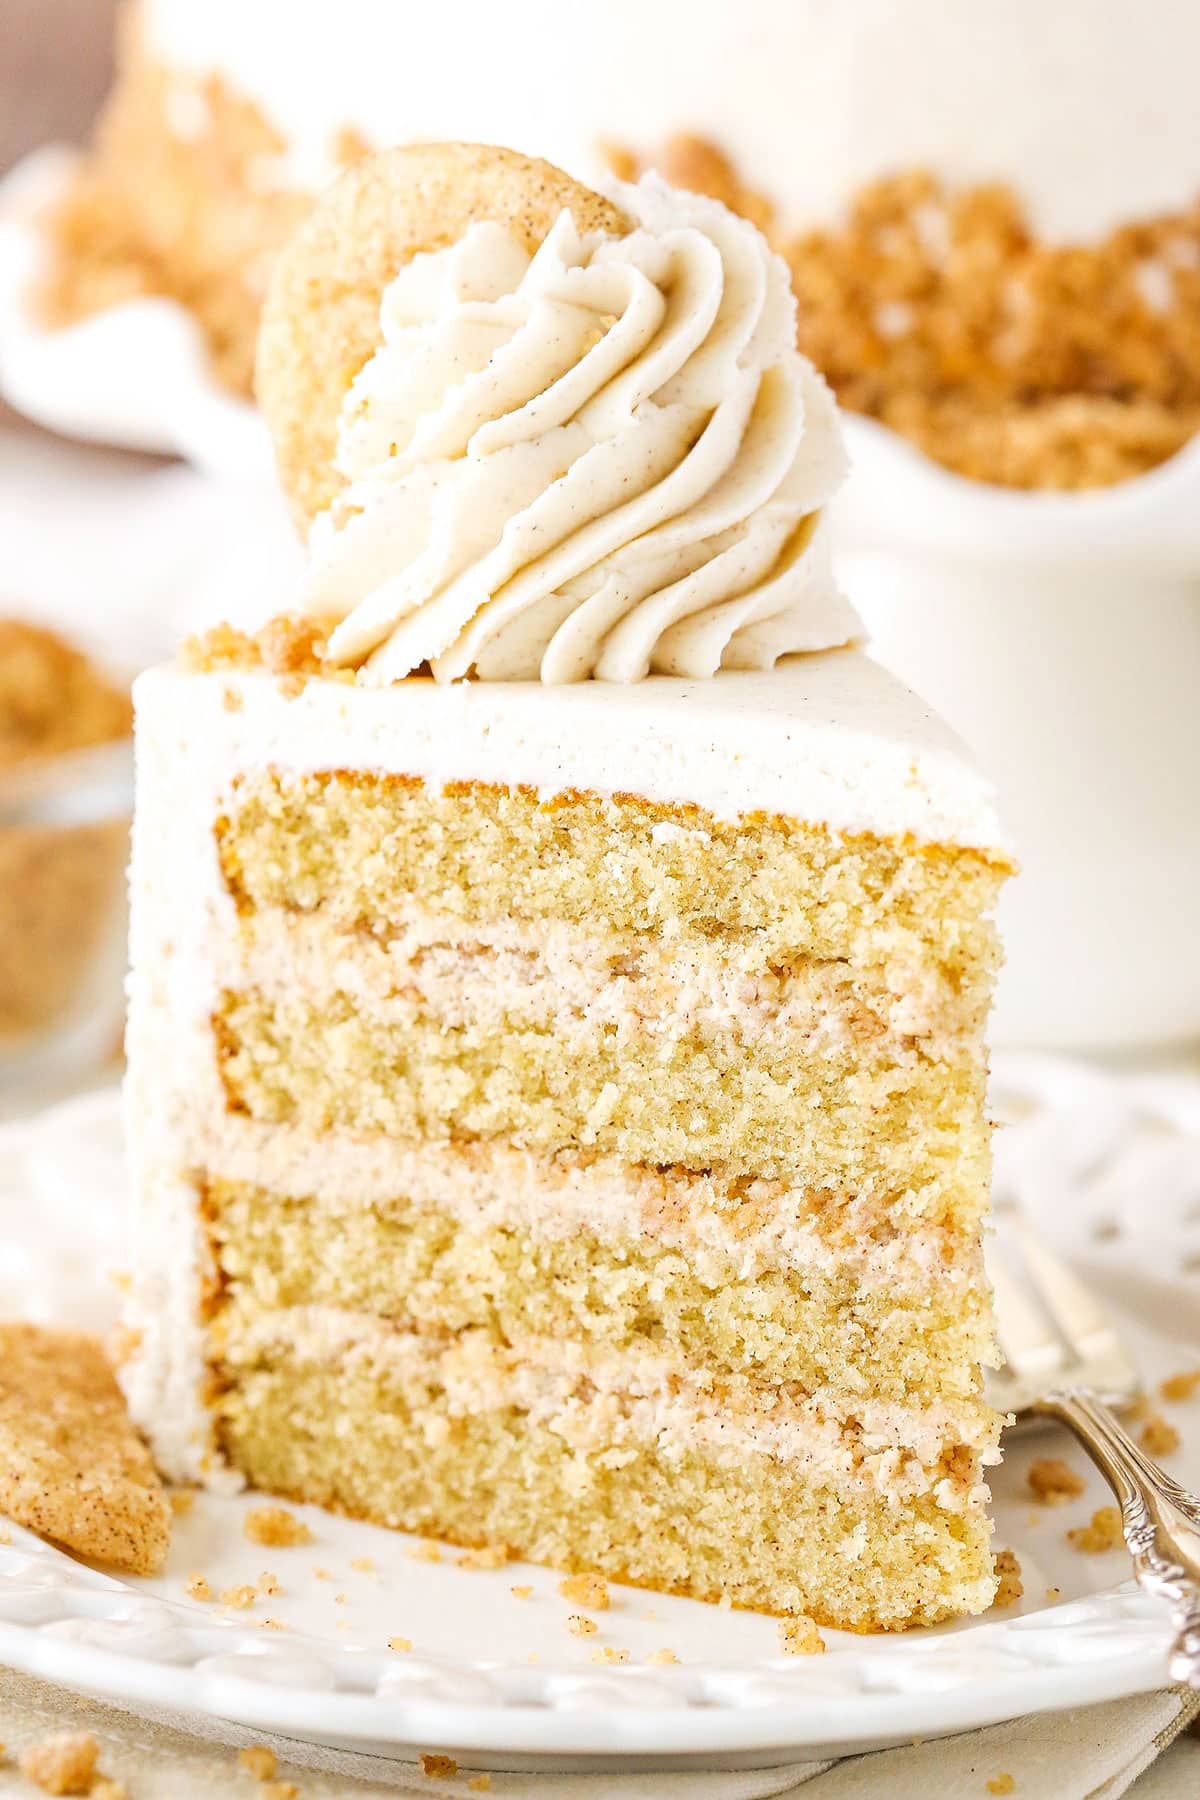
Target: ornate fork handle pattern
<point>1161,1520</point>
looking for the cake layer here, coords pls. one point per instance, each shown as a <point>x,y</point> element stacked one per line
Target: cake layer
<point>371,849</point>
<point>688,1100</point>
<point>637,1487</point>
<point>509,1267</point>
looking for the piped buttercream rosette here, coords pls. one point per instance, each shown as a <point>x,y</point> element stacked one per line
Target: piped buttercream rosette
<point>577,445</point>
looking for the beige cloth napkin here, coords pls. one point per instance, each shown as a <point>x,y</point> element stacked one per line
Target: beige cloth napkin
<point>1092,1753</point>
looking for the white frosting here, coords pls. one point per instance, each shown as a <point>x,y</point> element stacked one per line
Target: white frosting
<point>603,459</point>
<point>1087,107</point>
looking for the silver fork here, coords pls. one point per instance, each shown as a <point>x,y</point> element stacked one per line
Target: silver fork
<point>1064,1360</point>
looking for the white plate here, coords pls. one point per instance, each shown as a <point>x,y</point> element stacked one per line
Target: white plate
<point>136,375</point>
<point>499,1680</point>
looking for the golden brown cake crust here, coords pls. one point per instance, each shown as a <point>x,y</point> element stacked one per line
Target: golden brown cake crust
<point>321,319</point>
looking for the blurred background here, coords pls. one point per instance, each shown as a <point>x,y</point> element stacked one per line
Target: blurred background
<point>1021,530</point>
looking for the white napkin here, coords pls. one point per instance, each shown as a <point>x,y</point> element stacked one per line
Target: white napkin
<point>1092,1753</point>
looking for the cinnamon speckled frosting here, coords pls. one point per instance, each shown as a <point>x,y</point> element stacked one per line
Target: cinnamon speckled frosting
<point>605,458</point>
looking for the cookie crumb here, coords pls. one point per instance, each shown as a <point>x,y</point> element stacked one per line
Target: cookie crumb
<point>607,1654</point>
<point>438,1768</point>
<point>1001,1784</point>
<point>578,1626</point>
<point>238,1597</point>
<point>62,1764</point>
<point>1157,1437</point>
<point>1103,1533</point>
<point>662,1656</point>
<point>487,1556</point>
<point>521,1593</point>
<point>261,1762</point>
<point>1054,1593</point>
<point>1182,1386</point>
<point>197,1587</point>
<point>800,1637</point>
<point>1053,1482</point>
<point>589,1590</point>
<point>276,1527</point>
<point>268,1583</point>
<point>399,1643</point>
<point>1009,1587</point>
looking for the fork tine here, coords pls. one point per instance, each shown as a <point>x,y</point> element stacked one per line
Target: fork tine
<point>1031,1349</point>
<point>1074,1309</point>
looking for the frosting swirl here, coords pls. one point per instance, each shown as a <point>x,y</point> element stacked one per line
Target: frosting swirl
<point>604,459</point>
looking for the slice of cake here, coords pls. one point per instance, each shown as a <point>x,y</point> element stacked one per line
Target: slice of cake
<point>557,1105</point>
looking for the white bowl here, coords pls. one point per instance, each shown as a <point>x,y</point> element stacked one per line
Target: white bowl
<point>1060,635</point>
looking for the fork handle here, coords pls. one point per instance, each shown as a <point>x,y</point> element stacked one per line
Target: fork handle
<point>1160,1519</point>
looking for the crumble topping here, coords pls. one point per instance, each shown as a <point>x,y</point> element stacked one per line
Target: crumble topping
<point>800,1637</point>
<point>1010,1586</point>
<point>440,1768</point>
<point>52,697</point>
<point>1101,1534</point>
<point>1182,1386</point>
<point>62,1764</point>
<point>1054,1481</point>
<point>259,1761</point>
<point>1008,360</point>
<point>275,1527</point>
<point>588,1590</point>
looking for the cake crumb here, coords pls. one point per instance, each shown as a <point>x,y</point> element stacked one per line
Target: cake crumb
<point>800,1637</point>
<point>105,1788</point>
<point>579,1626</point>
<point>62,1764</point>
<point>272,1625</point>
<point>276,1527</point>
<point>1054,1481</point>
<point>487,1556</point>
<point>5,1535</point>
<point>399,1643</point>
<point>339,1599</point>
<point>238,1597</point>
<point>1009,1586</point>
<point>268,1583</point>
<point>320,1573</point>
<point>589,1590</point>
<point>438,1768</point>
<point>363,1564</point>
<point>278,1790</point>
<point>607,1654</point>
<point>1054,1593</point>
<point>1103,1533</point>
<point>662,1656</point>
<point>1182,1386</point>
<point>1157,1437</point>
<point>1001,1784</point>
<point>521,1593</point>
<point>426,1551</point>
<point>480,1784</point>
<point>181,1501</point>
<point>261,1762</point>
<point>197,1587</point>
